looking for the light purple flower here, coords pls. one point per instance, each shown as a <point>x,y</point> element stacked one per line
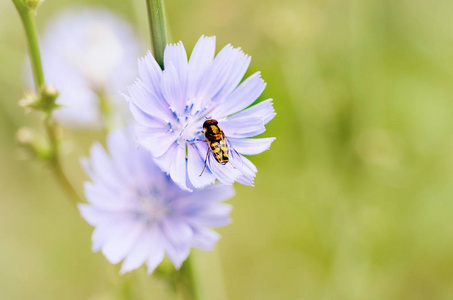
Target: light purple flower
<point>140,214</point>
<point>88,52</point>
<point>171,106</point>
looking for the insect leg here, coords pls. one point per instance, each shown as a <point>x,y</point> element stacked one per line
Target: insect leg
<point>192,143</point>
<point>205,162</point>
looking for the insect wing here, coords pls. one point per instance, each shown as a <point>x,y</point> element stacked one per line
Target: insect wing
<point>214,166</point>
<point>235,158</point>
<point>212,162</point>
<point>226,174</point>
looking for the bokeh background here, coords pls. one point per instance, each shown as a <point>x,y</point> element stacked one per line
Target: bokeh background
<point>353,201</point>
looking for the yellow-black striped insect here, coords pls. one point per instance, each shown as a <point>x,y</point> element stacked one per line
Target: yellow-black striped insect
<point>217,143</point>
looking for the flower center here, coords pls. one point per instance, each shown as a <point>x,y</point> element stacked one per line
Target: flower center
<point>191,130</point>
<point>152,206</point>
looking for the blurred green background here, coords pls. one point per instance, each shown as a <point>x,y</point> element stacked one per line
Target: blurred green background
<point>353,201</point>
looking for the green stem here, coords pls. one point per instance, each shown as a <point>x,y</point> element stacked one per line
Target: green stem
<point>126,287</point>
<point>54,159</point>
<point>192,277</point>
<point>28,19</point>
<point>158,29</point>
<point>27,16</point>
<point>106,111</point>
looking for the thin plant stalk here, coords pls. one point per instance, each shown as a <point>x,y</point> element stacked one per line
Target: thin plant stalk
<point>158,28</point>
<point>192,278</point>
<point>27,16</point>
<point>106,111</point>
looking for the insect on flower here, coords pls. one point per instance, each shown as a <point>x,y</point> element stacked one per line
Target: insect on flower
<point>217,142</point>
<point>200,105</point>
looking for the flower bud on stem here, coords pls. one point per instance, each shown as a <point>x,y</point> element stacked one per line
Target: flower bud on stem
<point>45,101</point>
<point>45,96</point>
<point>33,4</point>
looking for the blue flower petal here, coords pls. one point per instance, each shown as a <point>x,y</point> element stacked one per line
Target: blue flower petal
<point>263,110</point>
<point>176,55</point>
<point>165,160</point>
<point>205,239</point>
<point>117,247</point>
<point>90,214</point>
<point>200,59</point>
<point>150,103</point>
<point>242,127</point>
<point>157,251</point>
<point>212,193</point>
<point>157,140</point>
<point>243,96</point>
<point>195,166</point>
<point>177,232</point>
<point>102,166</point>
<point>213,216</point>
<point>150,73</point>
<point>105,231</point>
<point>216,76</point>
<point>237,71</point>
<point>101,197</point>
<point>172,90</point>
<point>146,120</point>
<point>178,254</point>
<point>139,253</point>
<point>120,152</point>
<point>178,167</point>
<point>251,146</point>
<point>248,171</point>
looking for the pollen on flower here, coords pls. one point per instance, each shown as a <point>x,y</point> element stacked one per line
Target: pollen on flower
<point>191,130</point>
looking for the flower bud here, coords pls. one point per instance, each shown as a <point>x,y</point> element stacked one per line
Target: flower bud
<point>28,101</point>
<point>45,101</point>
<point>25,136</point>
<point>49,96</point>
<point>33,4</point>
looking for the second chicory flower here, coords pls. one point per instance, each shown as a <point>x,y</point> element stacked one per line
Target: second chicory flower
<point>139,214</point>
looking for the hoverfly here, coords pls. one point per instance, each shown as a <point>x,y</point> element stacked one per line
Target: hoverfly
<point>217,143</point>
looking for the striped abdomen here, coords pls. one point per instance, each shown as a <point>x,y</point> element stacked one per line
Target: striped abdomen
<point>220,151</point>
